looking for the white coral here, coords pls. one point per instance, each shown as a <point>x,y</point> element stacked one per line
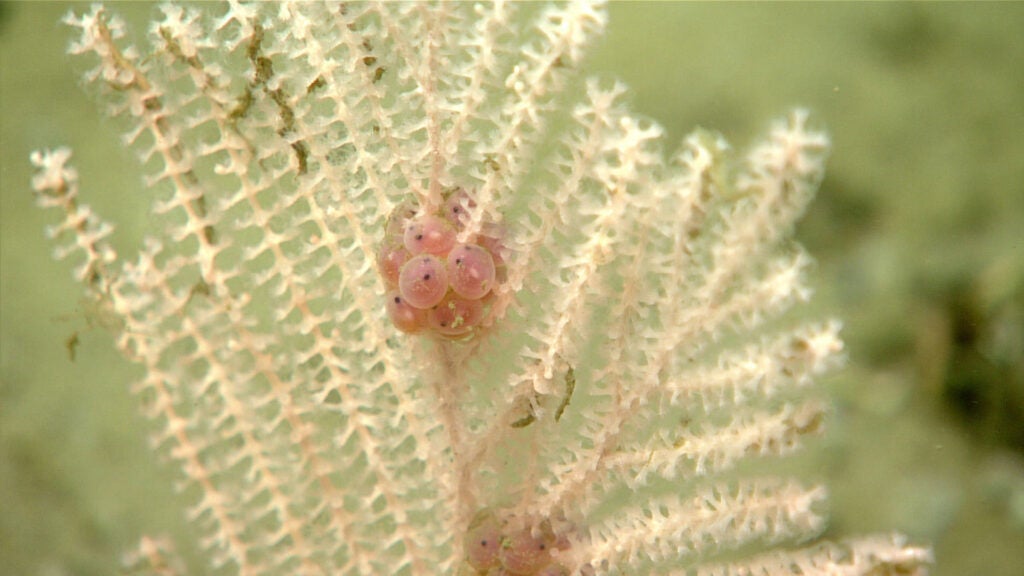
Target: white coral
<point>312,438</point>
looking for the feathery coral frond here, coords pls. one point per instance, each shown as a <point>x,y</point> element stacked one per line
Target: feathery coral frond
<point>409,308</point>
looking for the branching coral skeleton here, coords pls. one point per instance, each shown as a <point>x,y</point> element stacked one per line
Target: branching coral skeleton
<point>421,302</point>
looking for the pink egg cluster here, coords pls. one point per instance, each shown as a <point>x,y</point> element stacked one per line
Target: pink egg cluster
<point>501,547</point>
<point>436,284</point>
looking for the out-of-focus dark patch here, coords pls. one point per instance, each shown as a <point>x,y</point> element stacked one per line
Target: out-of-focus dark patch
<point>6,13</point>
<point>982,384</point>
<point>836,219</point>
<point>907,37</point>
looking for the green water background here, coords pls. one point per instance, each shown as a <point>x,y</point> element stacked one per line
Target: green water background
<point>918,232</point>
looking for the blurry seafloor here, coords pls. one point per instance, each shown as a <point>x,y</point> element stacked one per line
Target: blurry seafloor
<point>918,231</point>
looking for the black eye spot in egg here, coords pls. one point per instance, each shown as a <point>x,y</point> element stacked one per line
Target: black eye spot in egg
<point>426,276</point>
<point>398,299</point>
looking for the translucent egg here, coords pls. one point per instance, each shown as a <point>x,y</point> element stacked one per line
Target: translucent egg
<point>491,241</point>
<point>523,554</point>
<point>390,259</point>
<point>405,317</point>
<point>455,316</point>
<point>457,206</point>
<point>399,218</point>
<point>470,271</point>
<point>482,543</point>
<point>429,235</point>
<point>423,281</point>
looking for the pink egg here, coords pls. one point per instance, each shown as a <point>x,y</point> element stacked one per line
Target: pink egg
<point>470,271</point>
<point>429,235</point>
<point>399,218</point>
<point>390,259</point>
<point>455,316</point>
<point>482,543</point>
<point>405,317</point>
<point>524,554</point>
<point>457,206</point>
<point>423,281</point>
